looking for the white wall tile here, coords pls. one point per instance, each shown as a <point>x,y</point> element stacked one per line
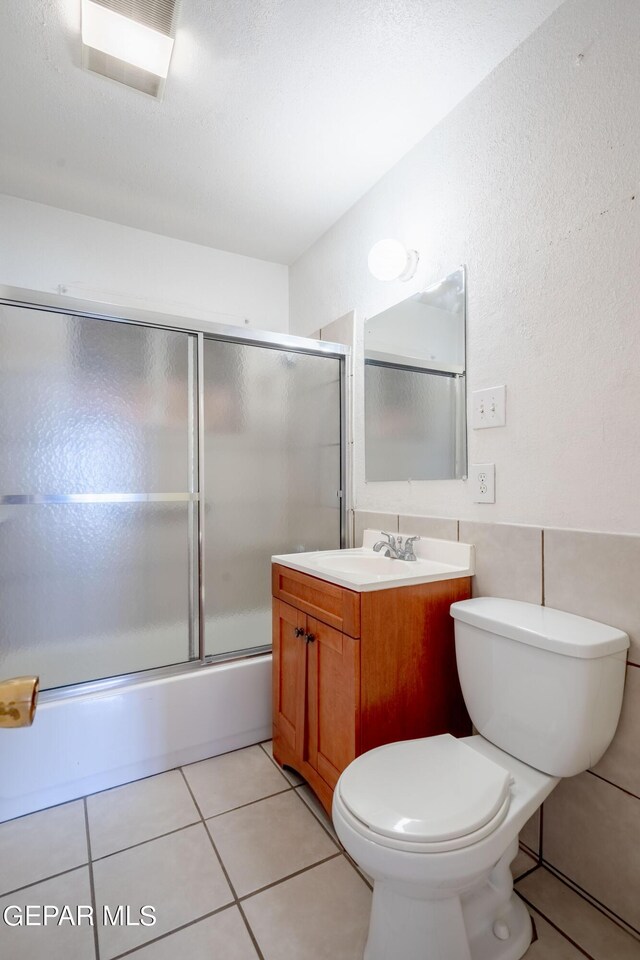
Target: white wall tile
<point>508,560</point>
<point>592,835</point>
<point>441,528</point>
<point>595,575</point>
<point>621,762</point>
<point>364,520</point>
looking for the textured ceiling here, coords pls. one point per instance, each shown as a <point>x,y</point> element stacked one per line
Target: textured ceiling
<point>277,116</point>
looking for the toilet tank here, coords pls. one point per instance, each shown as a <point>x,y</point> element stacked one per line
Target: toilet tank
<point>543,685</point>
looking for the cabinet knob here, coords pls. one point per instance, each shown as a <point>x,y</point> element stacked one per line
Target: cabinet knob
<point>310,638</point>
<point>299,631</point>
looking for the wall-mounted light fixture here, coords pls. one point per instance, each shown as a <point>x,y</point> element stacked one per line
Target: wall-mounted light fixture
<point>390,260</point>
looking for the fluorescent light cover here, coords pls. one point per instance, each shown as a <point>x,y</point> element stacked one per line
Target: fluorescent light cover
<point>125,39</point>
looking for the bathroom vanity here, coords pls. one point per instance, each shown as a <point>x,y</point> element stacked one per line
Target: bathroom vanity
<point>363,653</point>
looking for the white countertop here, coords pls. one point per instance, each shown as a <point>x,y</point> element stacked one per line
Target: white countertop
<point>361,569</point>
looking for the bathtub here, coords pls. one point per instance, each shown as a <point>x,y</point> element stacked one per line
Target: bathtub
<point>84,743</point>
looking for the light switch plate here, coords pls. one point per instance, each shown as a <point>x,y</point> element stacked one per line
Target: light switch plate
<point>483,482</point>
<point>489,407</point>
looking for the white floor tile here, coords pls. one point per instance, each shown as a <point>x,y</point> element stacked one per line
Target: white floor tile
<point>266,841</point>
<point>139,811</point>
<point>228,781</point>
<point>50,942</point>
<point>322,913</point>
<point>42,844</point>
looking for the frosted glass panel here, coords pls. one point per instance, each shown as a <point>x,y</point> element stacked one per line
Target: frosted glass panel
<point>410,424</point>
<point>92,406</point>
<point>93,590</point>
<point>272,474</point>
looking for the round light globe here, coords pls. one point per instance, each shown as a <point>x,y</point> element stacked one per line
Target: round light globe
<point>390,260</point>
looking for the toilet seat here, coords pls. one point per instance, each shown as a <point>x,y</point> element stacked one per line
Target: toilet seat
<point>429,795</point>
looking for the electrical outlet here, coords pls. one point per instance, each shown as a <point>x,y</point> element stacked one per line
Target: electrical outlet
<point>483,482</point>
<point>488,407</point>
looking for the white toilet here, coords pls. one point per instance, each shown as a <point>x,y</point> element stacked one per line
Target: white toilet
<point>435,822</point>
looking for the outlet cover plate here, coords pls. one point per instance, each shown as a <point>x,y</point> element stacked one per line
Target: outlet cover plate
<point>489,407</point>
<point>483,482</point>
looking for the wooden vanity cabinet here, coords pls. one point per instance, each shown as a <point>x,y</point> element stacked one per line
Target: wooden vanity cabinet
<point>354,670</point>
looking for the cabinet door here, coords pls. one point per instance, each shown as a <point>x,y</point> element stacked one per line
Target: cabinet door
<point>333,696</point>
<point>289,675</point>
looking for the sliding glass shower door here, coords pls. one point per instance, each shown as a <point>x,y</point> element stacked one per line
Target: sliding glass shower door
<point>146,474</point>
<point>97,490</point>
<point>272,472</point>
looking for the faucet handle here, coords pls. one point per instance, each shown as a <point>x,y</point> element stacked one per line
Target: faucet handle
<point>409,553</point>
<point>390,538</point>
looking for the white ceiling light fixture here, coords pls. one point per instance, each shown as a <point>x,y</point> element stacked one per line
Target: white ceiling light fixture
<point>129,40</point>
<point>390,260</point>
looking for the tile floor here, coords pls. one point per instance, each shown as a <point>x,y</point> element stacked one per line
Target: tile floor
<point>241,863</point>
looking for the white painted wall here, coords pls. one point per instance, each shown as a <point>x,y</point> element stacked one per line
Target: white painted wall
<point>56,251</point>
<point>534,183</point>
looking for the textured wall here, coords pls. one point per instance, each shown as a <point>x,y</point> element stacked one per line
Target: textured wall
<point>45,248</point>
<point>534,183</point>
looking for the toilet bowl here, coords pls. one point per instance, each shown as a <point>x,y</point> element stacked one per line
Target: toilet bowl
<point>435,822</point>
<point>442,884</point>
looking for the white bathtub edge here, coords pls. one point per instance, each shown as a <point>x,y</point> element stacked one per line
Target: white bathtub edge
<point>86,744</point>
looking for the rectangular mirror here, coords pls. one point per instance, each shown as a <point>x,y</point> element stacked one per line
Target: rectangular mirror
<point>414,386</point>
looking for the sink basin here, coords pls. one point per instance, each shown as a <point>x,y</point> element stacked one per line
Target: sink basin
<point>357,563</point>
<point>362,569</point>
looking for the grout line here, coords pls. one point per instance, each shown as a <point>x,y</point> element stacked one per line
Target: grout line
<point>527,873</point>
<point>281,770</point>
<point>53,806</point>
<point>313,813</point>
<point>357,869</point>
<point>127,783</point>
<point>592,901</point>
<point>252,935</point>
<point>612,784</point>
<point>249,803</point>
<point>273,760</point>
<point>225,873</point>
<point>169,833</point>
<point>555,927</point>
<point>91,880</point>
<point>542,581</point>
<point>141,843</point>
<point>168,933</point>
<point>53,876</point>
<point>341,849</point>
<point>215,849</point>
<point>290,876</point>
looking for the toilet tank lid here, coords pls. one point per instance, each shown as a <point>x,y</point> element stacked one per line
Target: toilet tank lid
<point>544,627</point>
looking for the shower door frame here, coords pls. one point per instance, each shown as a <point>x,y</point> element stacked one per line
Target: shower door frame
<point>201,330</point>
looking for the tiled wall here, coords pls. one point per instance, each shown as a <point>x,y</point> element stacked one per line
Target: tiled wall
<point>590,826</point>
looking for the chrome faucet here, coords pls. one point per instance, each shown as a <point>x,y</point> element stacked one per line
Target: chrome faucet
<point>394,547</point>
